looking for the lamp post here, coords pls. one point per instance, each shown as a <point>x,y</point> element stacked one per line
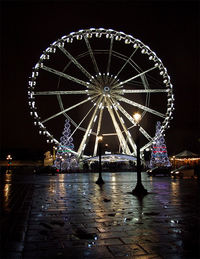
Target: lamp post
<point>139,188</point>
<point>100,181</point>
<point>9,158</point>
<point>54,153</point>
<point>61,159</point>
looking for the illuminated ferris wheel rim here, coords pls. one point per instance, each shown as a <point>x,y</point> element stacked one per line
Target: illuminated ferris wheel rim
<point>111,94</point>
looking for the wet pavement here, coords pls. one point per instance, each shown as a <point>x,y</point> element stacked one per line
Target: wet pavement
<point>69,216</point>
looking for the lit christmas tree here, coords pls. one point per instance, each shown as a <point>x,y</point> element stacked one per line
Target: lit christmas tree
<point>159,156</point>
<point>65,159</point>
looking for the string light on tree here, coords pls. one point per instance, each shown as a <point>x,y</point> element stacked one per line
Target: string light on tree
<point>65,158</point>
<point>159,156</point>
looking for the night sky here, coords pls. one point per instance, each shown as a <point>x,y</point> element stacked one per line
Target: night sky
<point>170,28</point>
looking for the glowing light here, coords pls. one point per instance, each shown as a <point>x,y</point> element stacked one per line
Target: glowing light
<point>95,118</point>
<point>100,138</point>
<point>79,37</point>
<point>137,116</point>
<point>69,40</point>
<point>127,41</point>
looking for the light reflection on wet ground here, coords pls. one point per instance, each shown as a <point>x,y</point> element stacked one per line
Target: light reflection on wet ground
<point>71,211</point>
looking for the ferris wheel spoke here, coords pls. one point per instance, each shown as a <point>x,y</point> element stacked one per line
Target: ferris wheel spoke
<point>143,131</point>
<point>126,114</point>
<point>85,72</point>
<point>98,130</point>
<point>109,56</point>
<point>78,125</point>
<point>66,110</point>
<point>92,55</point>
<point>74,123</point>
<point>71,78</point>
<point>123,99</point>
<point>126,62</point>
<point>146,146</point>
<point>134,91</point>
<point>89,129</point>
<point>136,83</point>
<point>64,92</point>
<point>130,118</point>
<point>121,138</point>
<point>131,78</point>
<point>132,143</point>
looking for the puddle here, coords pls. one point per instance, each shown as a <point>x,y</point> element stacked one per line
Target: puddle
<point>82,234</point>
<point>57,222</point>
<point>46,225</point>
<point>151,213</point>
<point>106,200</point>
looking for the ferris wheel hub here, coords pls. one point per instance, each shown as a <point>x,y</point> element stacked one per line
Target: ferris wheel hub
<point>106,89</point>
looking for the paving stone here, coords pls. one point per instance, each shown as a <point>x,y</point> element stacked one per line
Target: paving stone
<point>126,250</point>
<point>112,241</point>
<point>43,215</point>
<point>12,255</point>
<point>15,246</point>
<point>139,239</point>
<point>152,256</point>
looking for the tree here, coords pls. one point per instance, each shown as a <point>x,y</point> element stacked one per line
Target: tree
<point>65,159</point>
<point>159,156</point>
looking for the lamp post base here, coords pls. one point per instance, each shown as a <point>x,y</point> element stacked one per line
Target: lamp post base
<point>100,181</point>
<point>139,190</point>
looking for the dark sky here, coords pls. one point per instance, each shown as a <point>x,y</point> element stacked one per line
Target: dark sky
<point>171,28</point>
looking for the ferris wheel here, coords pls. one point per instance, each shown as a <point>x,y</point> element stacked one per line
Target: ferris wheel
<point>97,79</point>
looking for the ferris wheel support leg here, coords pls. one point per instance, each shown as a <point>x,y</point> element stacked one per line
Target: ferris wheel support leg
<point>98,131</point>
<point>121,138</point>
<point>133,122</point>
<point>89,128</point>
<point>128,116</point>
<point>128,136</point>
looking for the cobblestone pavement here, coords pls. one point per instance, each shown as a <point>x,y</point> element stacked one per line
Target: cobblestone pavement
<point>69,216</point>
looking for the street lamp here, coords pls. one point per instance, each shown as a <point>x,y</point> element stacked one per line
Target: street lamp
<point>61,159</point>
<point>139,189</point>
<point>100,180</point>
<point>54,153</point>
<point>9,158</point>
